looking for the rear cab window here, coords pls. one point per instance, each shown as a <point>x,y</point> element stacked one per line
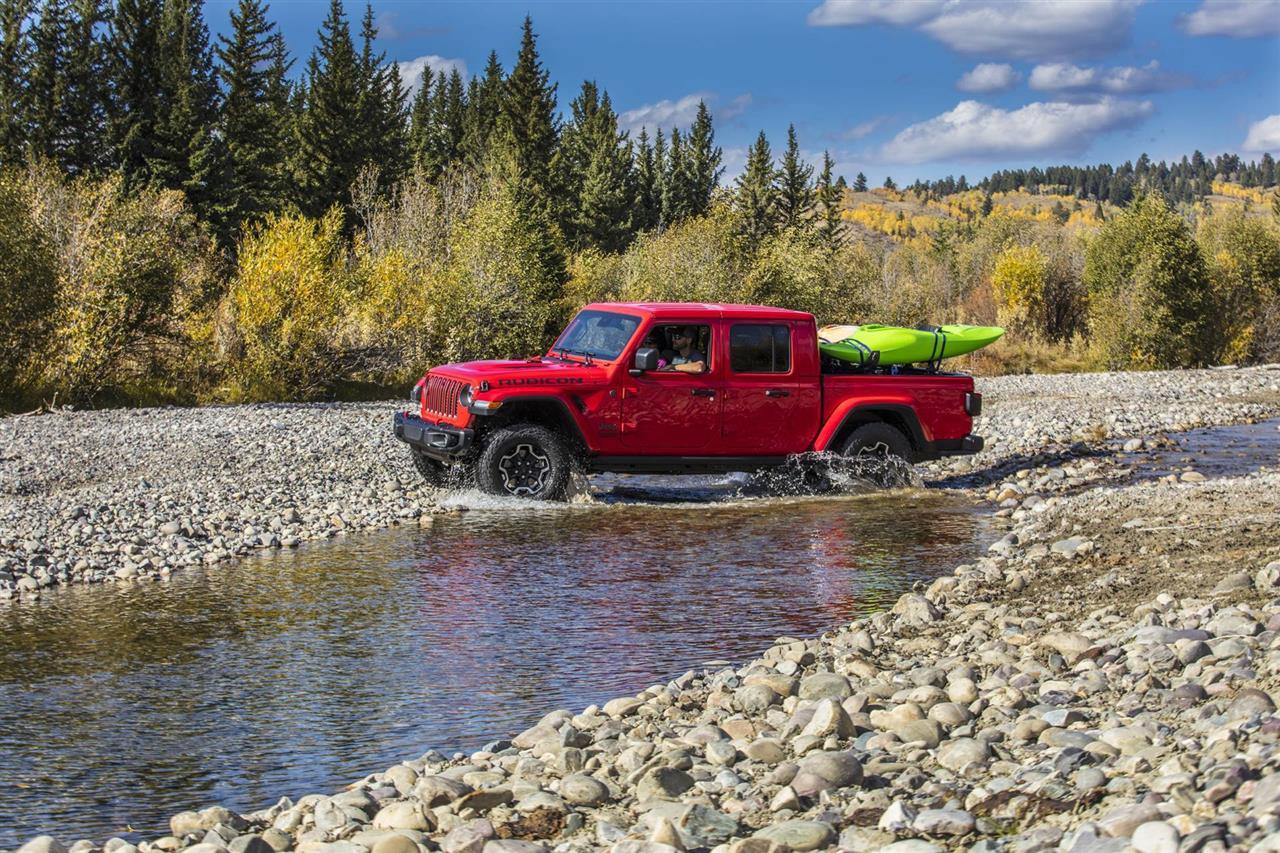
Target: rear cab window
<point>760,348</point>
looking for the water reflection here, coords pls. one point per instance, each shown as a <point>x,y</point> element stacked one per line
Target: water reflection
<point>298,672</point>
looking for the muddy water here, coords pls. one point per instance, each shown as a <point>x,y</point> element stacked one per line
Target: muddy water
<point>298,672</point>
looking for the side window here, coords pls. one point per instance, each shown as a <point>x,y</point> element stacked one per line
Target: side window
<point>760,348</point>
<point>681,347</point>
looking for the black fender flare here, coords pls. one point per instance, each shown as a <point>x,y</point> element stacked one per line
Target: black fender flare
<point>896,415</point>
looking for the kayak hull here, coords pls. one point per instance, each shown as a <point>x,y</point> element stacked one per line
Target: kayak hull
<point>900,345</point>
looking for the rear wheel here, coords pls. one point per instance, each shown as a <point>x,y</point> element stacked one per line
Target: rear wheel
<point>877,440</point>
<point>525,461</point>
<point>880,454</point>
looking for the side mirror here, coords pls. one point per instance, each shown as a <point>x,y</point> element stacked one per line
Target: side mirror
<point>873,359</point>
<point>646,360</point>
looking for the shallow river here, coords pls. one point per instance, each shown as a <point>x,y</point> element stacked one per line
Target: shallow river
<point>300,671</point>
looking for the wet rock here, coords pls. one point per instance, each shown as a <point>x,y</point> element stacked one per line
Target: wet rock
<point>43,844</point>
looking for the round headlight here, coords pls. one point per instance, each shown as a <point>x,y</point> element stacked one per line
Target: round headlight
<point>466,396</point>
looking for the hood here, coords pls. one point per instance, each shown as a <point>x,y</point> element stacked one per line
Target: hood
<point>516,373</point>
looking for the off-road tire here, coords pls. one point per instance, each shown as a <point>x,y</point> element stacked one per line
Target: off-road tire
<point>877,439</point>
<point>435,472</point>
<point>525,461</point>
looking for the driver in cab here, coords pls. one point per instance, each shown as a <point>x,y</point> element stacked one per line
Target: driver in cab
<point>685,359</point>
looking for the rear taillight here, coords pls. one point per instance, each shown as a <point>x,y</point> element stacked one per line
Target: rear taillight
<point>973,404</point>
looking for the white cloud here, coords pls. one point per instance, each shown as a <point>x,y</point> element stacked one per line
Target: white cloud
<point>1019,29</point>
<point>1238,18</point>
<point>974,130</point>
<point>681,112</point>
<point>734,163</point>
<point>989,77</point>
<point>411,71</point>
<point>1264,135</point>
<point>1123,80</point>
<point>865,128</point>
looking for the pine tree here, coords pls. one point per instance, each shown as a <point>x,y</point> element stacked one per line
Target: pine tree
<point>679,189</point>
<point>527,125</point>
<point>841,186</point>
<point>757,195</point>
<point>330,137</point>
<point>384,122</point>
<point>255,117</point>
<point>659,173</point>
<point>422,132</point>
<point>648,203</point>
<point>15,58</point>
<point>188,152</point>
<point>860,183</point>
<point>988,204</point>
<point>704,161</point>
<point>46,79</point>
<point>136,80</point>
<point>602,215</point>
<point>795,196</point>
<point>84,92</point>
<point>483,107</point>
<point>829,202</point>
<point>889,184</point>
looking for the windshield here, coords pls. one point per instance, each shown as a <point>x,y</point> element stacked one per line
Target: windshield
<point>599,334</point>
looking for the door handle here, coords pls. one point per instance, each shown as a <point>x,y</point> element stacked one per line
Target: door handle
<point>704,392</point>
<point>777,392</point>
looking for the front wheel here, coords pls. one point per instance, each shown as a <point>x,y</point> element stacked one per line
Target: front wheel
<point>525,461</point>
<point>435,472</point>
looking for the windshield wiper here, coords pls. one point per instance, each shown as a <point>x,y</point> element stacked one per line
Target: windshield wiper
<point>586,355</point>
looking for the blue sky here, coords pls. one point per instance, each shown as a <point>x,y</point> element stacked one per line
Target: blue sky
<point>921,88</point>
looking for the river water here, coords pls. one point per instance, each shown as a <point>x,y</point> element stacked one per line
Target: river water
<point>298,672</point>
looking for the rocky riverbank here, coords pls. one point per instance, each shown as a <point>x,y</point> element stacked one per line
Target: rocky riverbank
<point>1104,678</point>
<point>131,495</point>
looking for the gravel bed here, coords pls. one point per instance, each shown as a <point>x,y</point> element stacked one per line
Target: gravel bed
<point>1104,678</point>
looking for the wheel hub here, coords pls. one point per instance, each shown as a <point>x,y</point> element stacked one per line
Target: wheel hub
<point>880,448</point>
<point>524,471</point>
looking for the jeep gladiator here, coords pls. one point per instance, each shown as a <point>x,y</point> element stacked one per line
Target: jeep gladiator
<point>614,394</point>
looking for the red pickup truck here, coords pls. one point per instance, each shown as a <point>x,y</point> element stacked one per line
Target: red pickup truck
<point>675,388</point>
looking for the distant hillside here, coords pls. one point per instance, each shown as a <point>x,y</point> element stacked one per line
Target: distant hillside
<point>922,209</point>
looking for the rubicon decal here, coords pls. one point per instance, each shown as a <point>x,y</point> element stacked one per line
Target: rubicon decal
<point>548,380</point>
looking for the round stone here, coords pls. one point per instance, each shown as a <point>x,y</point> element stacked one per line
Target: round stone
<point>583,790</point>
<point>799,835</point>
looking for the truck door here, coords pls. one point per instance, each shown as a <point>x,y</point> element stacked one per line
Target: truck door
<point>765,400</point>
<point>668,412</point>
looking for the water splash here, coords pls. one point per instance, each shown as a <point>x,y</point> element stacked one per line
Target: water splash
<point>829,473</point>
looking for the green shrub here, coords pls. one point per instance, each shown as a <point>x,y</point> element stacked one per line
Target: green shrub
<point>500,292</point>
<point>134,270</point>
<point>1243,257</point>
<point>284,316</point>
<point>1148,290</point>
<point>28,289</point>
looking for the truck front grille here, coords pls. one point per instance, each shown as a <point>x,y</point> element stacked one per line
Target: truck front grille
<point>442,396</point>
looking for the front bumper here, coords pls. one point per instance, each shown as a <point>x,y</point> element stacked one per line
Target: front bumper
<point>438,441</point>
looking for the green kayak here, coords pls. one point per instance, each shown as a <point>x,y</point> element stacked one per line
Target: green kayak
<point>900,345</point>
